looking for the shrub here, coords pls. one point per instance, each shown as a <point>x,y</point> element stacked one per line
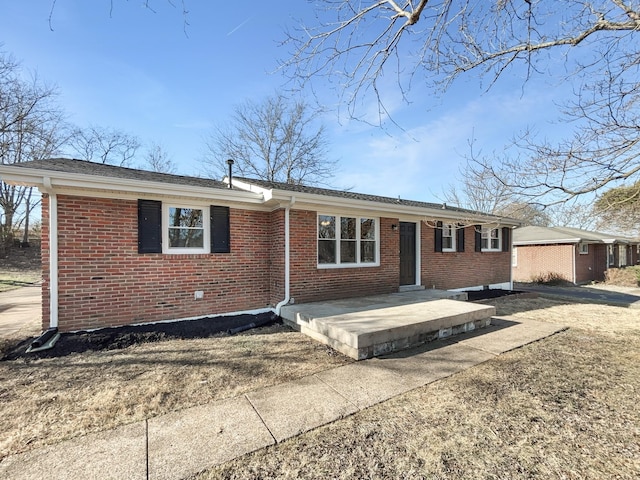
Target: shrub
<point>549,278</point>
<point>624,277</point>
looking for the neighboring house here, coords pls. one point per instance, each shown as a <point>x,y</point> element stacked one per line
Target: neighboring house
<point>123,246</point>
<point>578,256</point>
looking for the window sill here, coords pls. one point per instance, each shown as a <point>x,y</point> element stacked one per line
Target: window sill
<point>186,251</point>
<point>331,266</point>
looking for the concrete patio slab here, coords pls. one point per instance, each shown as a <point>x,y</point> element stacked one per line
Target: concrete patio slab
<point>114,454</point>
<point>299,406</point>
<point>188,441</point>
<point>372,326</point>
<point>510,334</point>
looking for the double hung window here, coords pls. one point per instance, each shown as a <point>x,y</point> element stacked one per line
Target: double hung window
<point>448,244</point>
<point>347,241</point>
<point>491,239</point>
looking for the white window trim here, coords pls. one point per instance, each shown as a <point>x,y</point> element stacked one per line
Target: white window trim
<point>206,248</point>
<point>489,230</point>
<point>623,259</point>
<point>583,248</point>
<point>357,264</point>
<point>452,228</point>
<point>514,257</point>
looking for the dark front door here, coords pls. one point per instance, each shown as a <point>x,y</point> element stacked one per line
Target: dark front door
<point>407,253</point>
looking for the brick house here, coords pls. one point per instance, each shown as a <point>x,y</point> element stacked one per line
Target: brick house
<point>123,246</point>
<point>575,255</point>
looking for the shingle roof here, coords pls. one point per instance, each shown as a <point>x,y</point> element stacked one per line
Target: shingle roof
<point>354,196</point>
<point>532,235</point>
<point>84,167</point>
<point>98,169</point>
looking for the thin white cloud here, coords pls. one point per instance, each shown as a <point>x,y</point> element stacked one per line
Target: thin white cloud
<point>424,160</point>
<point>239,27</point>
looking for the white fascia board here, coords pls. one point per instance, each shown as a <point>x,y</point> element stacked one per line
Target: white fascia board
<point>547,242</point>
<point>54,181</point>
<point>325,202</point>
<point>312,201</point>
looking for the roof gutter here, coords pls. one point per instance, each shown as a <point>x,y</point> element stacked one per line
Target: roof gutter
<point>287,258</point>
<point>312,201</point>
<point>37,177</point>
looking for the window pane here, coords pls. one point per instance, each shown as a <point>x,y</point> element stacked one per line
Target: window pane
<point>347,228</point>
<point>347,251</point>
<point>367,229</point>
<point>485,243</point>
<point>326,251</point>
<point>495,243</point>
<point>447,242</point>
<point>326,226</point>
<point>185,217</point>
<point>368,252</point>
<point>186,237</point>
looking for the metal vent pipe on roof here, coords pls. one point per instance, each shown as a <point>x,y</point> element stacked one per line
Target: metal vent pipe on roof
<point>230,163</point>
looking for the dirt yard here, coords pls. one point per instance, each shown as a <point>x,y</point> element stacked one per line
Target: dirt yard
<point>565,407</point>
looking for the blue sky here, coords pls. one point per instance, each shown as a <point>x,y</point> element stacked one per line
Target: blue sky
<point>137,71</point>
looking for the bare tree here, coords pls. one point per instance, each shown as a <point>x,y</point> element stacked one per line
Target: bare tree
<point>31,127</point>
<point>157,159</point>
<point>104,145</point>
<point>478,190</point>
<point>357,44</point>
<point>272,140</point>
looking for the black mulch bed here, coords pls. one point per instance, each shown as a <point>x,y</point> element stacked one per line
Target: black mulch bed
<point>122,337</point>
<point>474,295</point>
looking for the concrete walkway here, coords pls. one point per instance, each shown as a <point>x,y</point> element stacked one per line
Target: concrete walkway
<point>182,443</point>
<point>21,312</point>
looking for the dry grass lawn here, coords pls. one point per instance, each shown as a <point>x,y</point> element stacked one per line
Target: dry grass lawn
<point>566,407</point>
<point>11,279</point>
<point>19,268</point>
<point>47,400</point>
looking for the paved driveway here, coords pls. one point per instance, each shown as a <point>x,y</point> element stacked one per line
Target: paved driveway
<point>619,296</point>
<point>21,312</point>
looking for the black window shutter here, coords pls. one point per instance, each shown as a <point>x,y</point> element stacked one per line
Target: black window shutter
<point>438,237</point>
<point>460,238</point>
<point>220,235</point>
<point>506,239</point>
<point>478,237</point>
<point>149,226</point>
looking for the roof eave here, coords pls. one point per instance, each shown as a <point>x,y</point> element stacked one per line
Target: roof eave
<point>547,242</point>
<point>50,181</point>
<point>278,197</point>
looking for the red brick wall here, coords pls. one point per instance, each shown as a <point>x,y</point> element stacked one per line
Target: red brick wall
<point>309,283</point>
<point>591,266</point>
<point>450,270</point>
<point>535,260</point>
<point>103,281</point>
